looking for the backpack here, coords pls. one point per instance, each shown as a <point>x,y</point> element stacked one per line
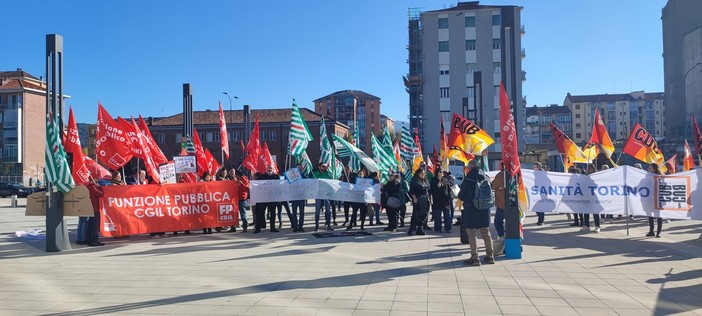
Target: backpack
<point>484,197</point>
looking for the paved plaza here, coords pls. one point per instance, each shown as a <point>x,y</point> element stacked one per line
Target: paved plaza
<point>563,272</point>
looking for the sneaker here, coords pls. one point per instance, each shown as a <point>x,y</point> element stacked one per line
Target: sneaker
<point>585,229</point>
<point>472,262</point>
<point>97,244</point>
<point>302,230</point>
<point>349,227</point>
<point>380,223</point>
<point>540,224</point>
<point>658,235</point>
<point>273,230</point>
<point>257,230</point>
<point>650,234</point>
<point>295,230</point>
<point>597,229</point>
<point>335,224</point>
<point>330,228</point>
<point>489,260</point>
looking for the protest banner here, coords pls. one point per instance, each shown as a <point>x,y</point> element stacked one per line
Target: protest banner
<point>622,190</point>
<point>141,209</point>
<point>305,189</point>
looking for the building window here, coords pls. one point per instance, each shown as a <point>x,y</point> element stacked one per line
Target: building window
<point>470,92</point>
<point>272,135</point>
<point>496,91</point>
<point>443,46</point>
<point>161,138</point>
<point>444,92</point>
<point>496,20</point>
<point>577,135</point>
<point>577,106</point>
<point>577,125</point>
<point>497,68</point>
<point>470,68</point>
<point>178,138</point>
<point>470,21</point>
<point>443,72</point>
<point>263,135</point>
<point>470,44</point>
<point>443,23</point>
<point>577,116</point>
<point>496,43</point>
<point>234,136</point>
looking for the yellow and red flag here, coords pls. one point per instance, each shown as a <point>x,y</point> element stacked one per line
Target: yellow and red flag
<point>466,139</point>
<point>642,146</point>
<point>688,161</point>
<point>568,148</point>
<point>443,147</point>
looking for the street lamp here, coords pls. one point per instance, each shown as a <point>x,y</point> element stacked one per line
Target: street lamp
<point>231,114</point>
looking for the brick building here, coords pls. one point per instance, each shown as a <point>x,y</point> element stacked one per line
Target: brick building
<point>274,126</point>
<point>352,107</point>
<point>23,120</point>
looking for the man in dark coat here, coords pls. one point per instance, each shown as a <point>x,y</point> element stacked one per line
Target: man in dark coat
<point>475,220</point>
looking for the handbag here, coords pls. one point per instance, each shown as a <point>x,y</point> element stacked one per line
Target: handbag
<point>394,202</point>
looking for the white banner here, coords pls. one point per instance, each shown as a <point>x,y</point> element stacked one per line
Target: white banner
<point>306,189</point>
<point>623,190</point>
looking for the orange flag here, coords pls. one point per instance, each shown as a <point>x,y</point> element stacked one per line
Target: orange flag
<point>688,161</point>
<point>568,148</point>
<point>81,174</point>
<point>672,163</point>
<point>642,146</point>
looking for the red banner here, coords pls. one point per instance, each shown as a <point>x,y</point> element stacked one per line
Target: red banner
<point>142,209</point>
<point>113,146</point>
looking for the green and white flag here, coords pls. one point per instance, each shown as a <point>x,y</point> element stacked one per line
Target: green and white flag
<point>408,149</point>
<point>306,163</point>
<point>387,140</point>
<point>58,171</point>
<point>300,135</point>
<point>345,149</point>
<point>354,163</point>
<point>385,160</point>
<point>325,149</point>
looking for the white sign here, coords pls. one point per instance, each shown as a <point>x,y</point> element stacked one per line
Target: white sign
<point>185,164</point>
<point>622,190</point>
<point>167,173</point>
<point>293,175</point>
<point>305,189</point>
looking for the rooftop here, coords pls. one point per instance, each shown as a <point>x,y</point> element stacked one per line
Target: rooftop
<point>264,116</point>
<point>471,5</point>
<point>633,96</point>
<point>355,93</point>
<point>547,110</point>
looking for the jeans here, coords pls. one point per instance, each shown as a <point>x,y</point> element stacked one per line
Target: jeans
<point>376,210</point>
<point>355,209</point>
<point>291,218</point>
<point>242,213</point>
<point>298,205</point>
<point>347,206</point>
<point>93,229</point>
<point>540,216</point>
<point>500,222</point>
<point>586,220</point>
<point>440,214</point>
<point>472,240</point>
<point>327,212</point>
<point>83,230</point>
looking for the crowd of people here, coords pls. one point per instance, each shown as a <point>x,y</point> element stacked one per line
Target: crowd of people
<point>433,195</point>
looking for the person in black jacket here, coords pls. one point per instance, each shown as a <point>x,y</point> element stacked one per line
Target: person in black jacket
<point>261,207</point>
<point>357,206</point>
<point>421,199</point>
<point>441,196</point>
<point>475,220</point>
<point>391,189</point>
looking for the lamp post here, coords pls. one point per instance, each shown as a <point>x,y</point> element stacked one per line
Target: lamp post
<point>231,116</point>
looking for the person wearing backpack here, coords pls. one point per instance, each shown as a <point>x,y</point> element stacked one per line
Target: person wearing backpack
<point>478,198</point>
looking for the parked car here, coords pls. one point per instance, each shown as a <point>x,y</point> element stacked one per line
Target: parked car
<point>14,188</point>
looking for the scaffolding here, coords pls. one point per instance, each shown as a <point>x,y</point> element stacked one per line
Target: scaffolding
<point>413,80</point>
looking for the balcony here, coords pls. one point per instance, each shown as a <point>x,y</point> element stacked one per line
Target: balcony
<point>523,75</point>
<point>523,31</point>
<point>523,53</point>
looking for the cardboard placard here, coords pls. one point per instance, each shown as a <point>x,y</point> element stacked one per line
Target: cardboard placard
<point>77,202</point>
<point>36,204</point>
<point>185,164</point>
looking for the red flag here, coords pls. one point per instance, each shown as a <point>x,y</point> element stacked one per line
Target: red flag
<point>435,157</point>
<point>508,135</point>
<point>253,148</point>
<point>96,170</point>
<point>112,144</point>
<point>156,152</point>
<point>698,139</point>
<point>188,177</point>
<point>149,163</point>
<point>672,163</point>
<point>243,149</point>
<point>223,140</point>
<point>265,159</point>
<point>212,164</point>
<point>416,143</point>
<point>688,161</point>
<point>80,172</point>
<point>199,153</point>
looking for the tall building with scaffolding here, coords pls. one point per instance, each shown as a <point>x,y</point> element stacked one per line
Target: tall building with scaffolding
<point>457,58</point>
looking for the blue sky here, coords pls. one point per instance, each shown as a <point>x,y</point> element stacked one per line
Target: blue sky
<point>134,56</point>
